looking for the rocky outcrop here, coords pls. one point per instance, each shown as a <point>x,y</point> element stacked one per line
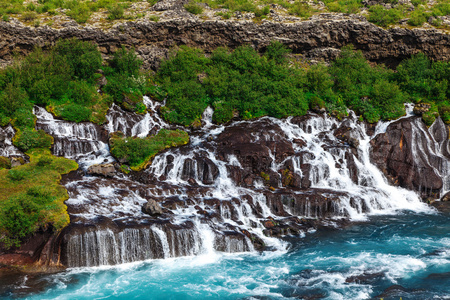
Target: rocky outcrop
<point>152,208</point>
<point>411,156</point>
<point>321,37</point>
<point>107,170</point>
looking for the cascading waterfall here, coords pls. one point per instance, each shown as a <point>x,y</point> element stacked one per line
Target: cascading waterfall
<point>213,200</point>
<point>7,148</point>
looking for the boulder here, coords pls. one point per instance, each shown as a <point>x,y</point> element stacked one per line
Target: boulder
<point>17,161</point>
<point>152,208</point>
<point>106,170</point>
<point>421,108</point>
<point>403,153</point>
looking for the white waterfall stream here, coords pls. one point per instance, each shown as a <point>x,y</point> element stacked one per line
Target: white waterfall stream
<point>206,209</point>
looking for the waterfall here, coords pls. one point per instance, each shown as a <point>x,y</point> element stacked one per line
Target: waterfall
<point>7,148</point>
<point>84,142</point>
<point>217,195</point>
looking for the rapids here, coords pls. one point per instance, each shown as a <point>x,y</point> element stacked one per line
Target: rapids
<point>238,187</point>
<point>405,255</point>
<point>250,210</point>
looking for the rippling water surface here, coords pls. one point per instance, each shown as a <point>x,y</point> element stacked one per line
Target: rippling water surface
<point>406,255</point>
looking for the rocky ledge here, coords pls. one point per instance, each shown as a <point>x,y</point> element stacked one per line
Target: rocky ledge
<point>319,38</point>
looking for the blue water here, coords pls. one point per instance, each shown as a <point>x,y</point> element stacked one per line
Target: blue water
<point>408,251</point>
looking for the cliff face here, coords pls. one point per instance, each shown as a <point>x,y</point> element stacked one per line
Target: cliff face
<point>318,38</point>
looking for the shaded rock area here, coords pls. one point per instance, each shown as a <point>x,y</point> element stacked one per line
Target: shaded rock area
<point>413,157</point>
<point>318,39</point>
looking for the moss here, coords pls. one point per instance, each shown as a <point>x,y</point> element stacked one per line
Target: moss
<point>265,176</point>
<point>5,163</point>
<point>138,152</point>
<point>31,196</point>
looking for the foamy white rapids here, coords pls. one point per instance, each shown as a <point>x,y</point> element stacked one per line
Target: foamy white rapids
<point>82,142</point>
<point>197,175</point>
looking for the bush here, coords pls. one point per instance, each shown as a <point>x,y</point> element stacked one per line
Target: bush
<point>29,138</point>
<point>5,163</point>
<point>417,18</point>
<point>74,112</point>
<point>16,175</point>
<point>384,17</point>
<point>300,9</point>
<point>115,12</point>
<point>193,8</point>
<point>83,57</point>
<point>277,52</point>
<point>44,161</point>
<point>428,118</point>
<point>126,62</point>
<point>13,98</point>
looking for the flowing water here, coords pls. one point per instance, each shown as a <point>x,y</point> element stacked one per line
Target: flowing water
<point>217,200</point>
<point>408,254</point>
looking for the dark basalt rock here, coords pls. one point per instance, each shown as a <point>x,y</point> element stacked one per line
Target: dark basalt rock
<point>403,154</point>
<point>345,134</point>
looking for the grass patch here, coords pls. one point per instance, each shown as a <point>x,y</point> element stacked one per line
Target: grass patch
<point>32,198</point>
<point>193,8</point>
<point>138,152</point>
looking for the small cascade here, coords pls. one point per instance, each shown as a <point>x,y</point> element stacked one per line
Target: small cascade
<point>7,148</point>
<point>431,146</point>
<point>84,142</point>
<point>132,124</point>
<point>207,117</point>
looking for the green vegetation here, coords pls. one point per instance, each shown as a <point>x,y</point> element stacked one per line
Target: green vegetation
<point>383,16</point>
<point>138,152</point>
<point>193,8</point>
<point>245,84</point>
<point>64,80</point>
<point>32,198</point>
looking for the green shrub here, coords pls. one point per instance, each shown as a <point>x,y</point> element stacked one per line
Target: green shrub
<point>417,17</point>
<point>428,118</point>
<point>383,16</point>
<point>193,8</point>
<point>29,16</point>
<point>5,163</point>
<point>29,138</point>
<point>12,99</point>
<point>277,52</point>
<point>300,9</point>
<point>74,112</point>
<point>115,12</point>
<point>262,12</point>
<point>44,161</point>
<point>16,175</point>
<point>126,62</point>
<point>83,57</point>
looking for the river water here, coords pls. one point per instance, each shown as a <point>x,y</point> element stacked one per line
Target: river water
<point>403,255</point>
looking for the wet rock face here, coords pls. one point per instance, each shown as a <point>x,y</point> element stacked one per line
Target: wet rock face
<point>256,146</point>
<point>407,155</point>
